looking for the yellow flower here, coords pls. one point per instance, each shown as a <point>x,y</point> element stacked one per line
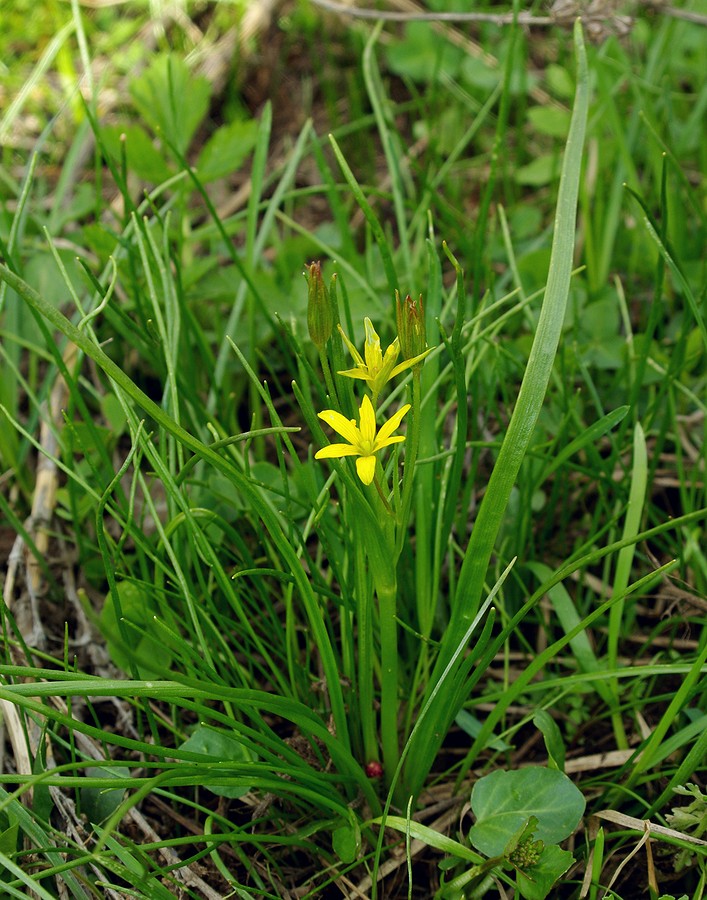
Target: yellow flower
<point>363,442</point>
<point>376,369</point>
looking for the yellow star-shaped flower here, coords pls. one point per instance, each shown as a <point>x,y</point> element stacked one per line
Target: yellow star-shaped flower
<point>363,442</point>
<point>376,369</point>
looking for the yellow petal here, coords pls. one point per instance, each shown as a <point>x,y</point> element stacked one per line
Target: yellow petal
<point>352,350</point>
<point>343,426</point>
<point>372,349</point>
<point>389,427</point>
<point>366,468</point>
<point>391,354</point>
<point>367,428</point>
<point>408,363</point>
<point>334,451</point>
<point>356,373</point>
<point>385,372</point>
<point>396,439</point>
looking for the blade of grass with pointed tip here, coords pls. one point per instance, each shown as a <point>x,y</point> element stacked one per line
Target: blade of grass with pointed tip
<point>632,523</point>
<point>538,370</point>
<point>393,154</point>
<point>530,399</point>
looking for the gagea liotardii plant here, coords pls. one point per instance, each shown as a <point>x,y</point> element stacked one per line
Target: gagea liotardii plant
<point>378,517</point>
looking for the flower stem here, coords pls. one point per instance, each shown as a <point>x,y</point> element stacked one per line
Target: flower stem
<point>328,380</point>
<point>387,597</point>
<point>364,617</point>
<point>382,496</point>
<point>411,448</point>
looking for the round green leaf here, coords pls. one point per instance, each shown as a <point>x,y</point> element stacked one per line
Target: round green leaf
<point>503,801</point>
<point>100,803</point>
<point>220,747</point>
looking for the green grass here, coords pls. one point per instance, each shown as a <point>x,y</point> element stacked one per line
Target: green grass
<point>227,665</point>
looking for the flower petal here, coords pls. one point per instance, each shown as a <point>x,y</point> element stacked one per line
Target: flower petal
<point>372,348</point>
<point>385,372</point>
<point>334,451</point>
<point>352,350</point>
<point>408,363</point>
<point>391,354</point>
<point>366,468</point>
<point>367,428</point>
<point>356,373</point>
<point>343,426</point>
<point>389,427</point>
<point>396,439</point>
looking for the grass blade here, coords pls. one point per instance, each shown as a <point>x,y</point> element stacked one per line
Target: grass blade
<point>529,403</point>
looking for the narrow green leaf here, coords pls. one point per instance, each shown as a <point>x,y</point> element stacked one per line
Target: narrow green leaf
<point>530,399</point>
<point>430,837</point>
<point>554,744</point>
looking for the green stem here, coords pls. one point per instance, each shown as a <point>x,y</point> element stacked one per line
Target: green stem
<point>364,617</point>
<point>411,452</point>
<point>328,380</point>
<point>379,546</point>
<point>381,494</point>
<point>387,601</point>
<point>411,449</point>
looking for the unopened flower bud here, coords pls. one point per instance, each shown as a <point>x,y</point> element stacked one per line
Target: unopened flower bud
<point>320,309</point>
<point>412,335</point>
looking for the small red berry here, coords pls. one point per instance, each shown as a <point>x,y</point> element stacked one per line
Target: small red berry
<point>374,769</point>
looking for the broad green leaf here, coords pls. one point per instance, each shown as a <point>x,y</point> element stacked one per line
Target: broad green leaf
<point>503,802</point>
<point>220,747</point>
<point>100,803</point>
<point>423,55</point>
<point>536,882</point>
<point>226,150</point>
<point>171,99</point>
<point>541,171</point>
<point>479,74</point>
<point>137,642</point>
<point>346,842</point>
<point>8,835</point>
<point>113,413</point>
<point>551,120</point>
<point>141,155</point>
<point>559,80</point>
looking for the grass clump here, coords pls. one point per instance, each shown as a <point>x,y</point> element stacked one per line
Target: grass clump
<point>237,662</point>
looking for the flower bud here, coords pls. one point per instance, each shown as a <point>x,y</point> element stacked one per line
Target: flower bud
<point>320,309</point>
<point>410,316</point>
